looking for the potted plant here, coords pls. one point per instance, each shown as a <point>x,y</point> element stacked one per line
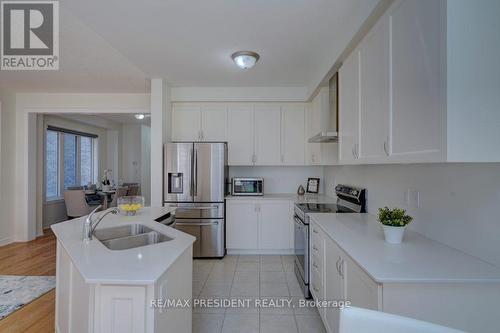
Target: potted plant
<point>394,222</point>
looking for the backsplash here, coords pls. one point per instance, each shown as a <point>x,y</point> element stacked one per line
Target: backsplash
<point>458,203</point>
<point>281,179</point>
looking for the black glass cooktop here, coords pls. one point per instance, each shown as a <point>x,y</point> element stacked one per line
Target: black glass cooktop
<point>323,208</point>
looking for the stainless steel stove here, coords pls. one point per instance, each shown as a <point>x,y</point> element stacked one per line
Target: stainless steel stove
<point>349,200</point>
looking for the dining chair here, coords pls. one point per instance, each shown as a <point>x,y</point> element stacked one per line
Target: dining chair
<point>353,319</point>
<point>76,203</point>
<point>120,192</point>
<point>134,189</point>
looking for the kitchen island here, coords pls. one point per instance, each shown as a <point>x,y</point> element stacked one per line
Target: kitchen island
<point>104,289</point>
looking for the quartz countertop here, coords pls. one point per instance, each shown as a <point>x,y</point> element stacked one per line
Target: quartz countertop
<point>141,265</point>
<point>306,198</point>
<point>417,260</point>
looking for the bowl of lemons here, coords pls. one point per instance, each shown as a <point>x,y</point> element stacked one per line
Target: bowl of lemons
<point>130,205</point>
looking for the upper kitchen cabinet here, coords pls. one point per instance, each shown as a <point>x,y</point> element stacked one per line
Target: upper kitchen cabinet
<point>418,113</point>
<point>267,134</point>
<point>293,138</point>
<point>213,123</point>
<point>413,92</point>
<point>240,134</point>
<point>349,109</point>
<point>186,122</point>
<point>374,94</point>
<point>199,122</point>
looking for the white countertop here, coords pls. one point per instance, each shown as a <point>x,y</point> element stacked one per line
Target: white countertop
<point>418,259</point>
<point>142,265</point>
<point>307,198</point>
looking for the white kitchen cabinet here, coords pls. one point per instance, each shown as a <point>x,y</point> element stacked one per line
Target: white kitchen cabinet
<point>242,225</point>
<point>213,123</point>
<point>349,82</point>
<point>240,134</point>
<point>335,284</point>
<point>417,70</point>
<point>259,226</point>
<point>293,138</point>
<point>360,289</point>
<point>186,122</point>
<point>275,229</point>
<point>374,105</point>
<point>267,135</point>
<point>199,122</point>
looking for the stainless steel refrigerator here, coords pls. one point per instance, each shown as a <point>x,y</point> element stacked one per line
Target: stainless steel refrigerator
<point>195,182</point>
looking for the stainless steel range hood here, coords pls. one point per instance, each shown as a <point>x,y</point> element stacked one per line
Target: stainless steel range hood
<point>329,117</point>
<point>322,137</point>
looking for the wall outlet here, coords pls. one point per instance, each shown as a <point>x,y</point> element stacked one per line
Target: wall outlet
<point>412,198</point>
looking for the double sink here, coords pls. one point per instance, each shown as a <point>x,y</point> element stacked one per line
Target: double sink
<point>129,236</point>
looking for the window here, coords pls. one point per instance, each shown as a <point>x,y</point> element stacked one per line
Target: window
<point>69,161</point>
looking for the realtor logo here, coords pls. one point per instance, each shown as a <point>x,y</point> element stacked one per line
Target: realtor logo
<point>29,35</point>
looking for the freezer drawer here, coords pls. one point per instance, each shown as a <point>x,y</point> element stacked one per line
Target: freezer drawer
<point>198,210</point>
<point>209,235</point>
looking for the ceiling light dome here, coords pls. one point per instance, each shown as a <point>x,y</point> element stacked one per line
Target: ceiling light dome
<point>140,116</point>
<point>245,59</point>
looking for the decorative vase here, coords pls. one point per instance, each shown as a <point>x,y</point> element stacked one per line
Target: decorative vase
<point>393,235</point>
<point>301,190</point>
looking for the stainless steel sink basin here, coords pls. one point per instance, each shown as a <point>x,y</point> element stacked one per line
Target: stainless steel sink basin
<point>129,236</point>
<point>121,231</point>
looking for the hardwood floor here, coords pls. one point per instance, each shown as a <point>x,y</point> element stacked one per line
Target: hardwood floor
<point>37,257</point>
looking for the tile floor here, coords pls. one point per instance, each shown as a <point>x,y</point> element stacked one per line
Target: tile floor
<point>248,277</point>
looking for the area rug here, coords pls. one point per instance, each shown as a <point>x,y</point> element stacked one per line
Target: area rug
<point>17,291</point>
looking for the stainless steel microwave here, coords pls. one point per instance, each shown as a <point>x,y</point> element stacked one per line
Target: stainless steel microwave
<point>247,186</point>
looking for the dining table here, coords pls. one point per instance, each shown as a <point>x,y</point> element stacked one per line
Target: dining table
<point>106,195</point>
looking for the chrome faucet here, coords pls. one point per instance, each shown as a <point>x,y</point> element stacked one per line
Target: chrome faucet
<point>89,225</point>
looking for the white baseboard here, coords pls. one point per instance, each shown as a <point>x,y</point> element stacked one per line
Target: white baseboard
<point>258,251</point>
<point>6,241</point>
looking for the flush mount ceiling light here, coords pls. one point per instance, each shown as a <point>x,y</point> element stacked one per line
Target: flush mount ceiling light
<point>140,116</point>
<point>245,59</point>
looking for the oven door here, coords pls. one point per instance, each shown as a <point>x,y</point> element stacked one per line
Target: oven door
<point>301,232</point>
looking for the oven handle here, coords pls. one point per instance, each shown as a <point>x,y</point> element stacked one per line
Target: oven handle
<point>196,224</point>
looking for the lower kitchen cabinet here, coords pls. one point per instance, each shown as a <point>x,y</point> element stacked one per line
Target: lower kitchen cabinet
<point>242,225</point>
<point>335,277</point>
<point>259,226</point>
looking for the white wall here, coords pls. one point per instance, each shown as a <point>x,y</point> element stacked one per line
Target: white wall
<point>458,202</point>
<point>131,153</point>
<point>146,163</point>
<point>7,165</point>
<point>281,179</point>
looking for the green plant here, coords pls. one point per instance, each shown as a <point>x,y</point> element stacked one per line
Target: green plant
<point>393,217</point>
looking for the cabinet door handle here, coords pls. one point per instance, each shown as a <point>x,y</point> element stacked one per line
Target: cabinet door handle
<point>341,270</point>
<point>337,265</point>
<point>315,248</point>
<point>315,266</point>
<point>353,152</point>
<point>386,148</point>
<point>357,151</point>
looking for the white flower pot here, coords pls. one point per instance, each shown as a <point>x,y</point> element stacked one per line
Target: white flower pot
<point>393,235</point>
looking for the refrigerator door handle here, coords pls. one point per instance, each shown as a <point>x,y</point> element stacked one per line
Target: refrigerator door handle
<point>195,171</point>
<point>197,224</point>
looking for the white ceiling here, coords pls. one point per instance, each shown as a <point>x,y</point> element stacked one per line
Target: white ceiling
<point>108,121</point>
<point>114,45</point>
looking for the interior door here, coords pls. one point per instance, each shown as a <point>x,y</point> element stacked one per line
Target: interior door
<point>178,172</point>
<point>208,172</point>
